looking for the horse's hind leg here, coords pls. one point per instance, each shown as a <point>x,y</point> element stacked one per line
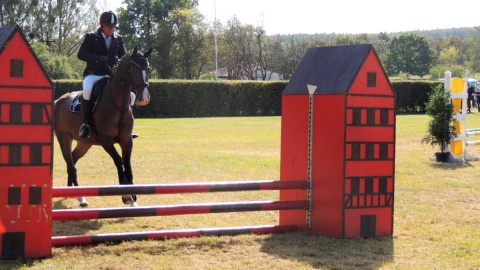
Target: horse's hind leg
<point>80,150</point>
<point>65,142</point>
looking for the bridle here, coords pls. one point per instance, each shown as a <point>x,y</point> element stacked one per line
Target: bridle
<point>127,80</point>
<point>134,85</point>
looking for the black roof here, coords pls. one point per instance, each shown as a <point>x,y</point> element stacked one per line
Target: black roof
<point>332,69</point>
<point>6,33</point>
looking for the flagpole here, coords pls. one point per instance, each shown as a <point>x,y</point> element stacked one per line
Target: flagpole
<point>215,34</point>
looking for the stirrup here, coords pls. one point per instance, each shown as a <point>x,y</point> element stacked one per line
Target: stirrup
<point>84,131</point>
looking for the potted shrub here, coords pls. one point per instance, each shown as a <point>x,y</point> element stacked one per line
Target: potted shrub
<point>440,128</point>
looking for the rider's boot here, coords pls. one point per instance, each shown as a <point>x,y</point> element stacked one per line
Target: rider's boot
<point>86,105</point>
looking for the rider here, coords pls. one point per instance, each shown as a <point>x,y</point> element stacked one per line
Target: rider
<point>101,50</point>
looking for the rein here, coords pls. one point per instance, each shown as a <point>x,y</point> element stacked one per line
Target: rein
<point>124,83</point>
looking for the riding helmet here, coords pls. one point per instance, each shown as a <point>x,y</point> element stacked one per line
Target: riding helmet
<point>109,18</point>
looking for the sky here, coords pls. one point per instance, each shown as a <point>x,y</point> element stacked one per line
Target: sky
<point>341,16</point>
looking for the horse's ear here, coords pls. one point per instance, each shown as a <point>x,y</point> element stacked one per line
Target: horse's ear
<point>148,52</point>
<point>135,50</point>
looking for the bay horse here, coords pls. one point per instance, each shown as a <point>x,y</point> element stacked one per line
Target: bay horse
<point>112,120</point>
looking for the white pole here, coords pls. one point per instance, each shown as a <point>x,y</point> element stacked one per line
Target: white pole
<point>215,34</point>
<point>448,81</point>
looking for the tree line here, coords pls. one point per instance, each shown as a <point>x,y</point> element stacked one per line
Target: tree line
<point>186,46</point>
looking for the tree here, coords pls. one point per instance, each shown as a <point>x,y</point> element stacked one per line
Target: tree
<point>251,49</point>
<point>61,24</point>
<point>189,49</point>
<point>408,53</point>
<point>448,56</point>
<point>15,11</point>
<point>148,23</point>
<point>474,49</point>
<point>56,66</point>
<point>290,54</point>
<point>380,44</point>
<point>440,128</point>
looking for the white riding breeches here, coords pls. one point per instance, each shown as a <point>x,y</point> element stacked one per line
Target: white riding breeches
<point>88,83</point>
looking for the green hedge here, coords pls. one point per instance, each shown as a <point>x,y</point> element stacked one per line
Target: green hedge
<point>237,98</point>
<point>412,97</point>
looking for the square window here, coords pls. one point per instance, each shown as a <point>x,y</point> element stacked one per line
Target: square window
<point>355,185</point>
<point>383,185</point>
<point>35,196</point>
<point>371,116</point>
<point>357,116</point>
<point>383,150</point>
<point>368,225</point>
<point>14,195</point>
<point>15,154</point>
<point>13,245</point>
<point>356,151</point>
<point>370,150</point>
<point>384,117</point>
<point>16,68</point>
<point>36,114</point>
<point>369,185</point>
<point>371,79</point>
<point>16,113</point>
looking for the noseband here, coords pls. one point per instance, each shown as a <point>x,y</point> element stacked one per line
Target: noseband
<point>134,85</point>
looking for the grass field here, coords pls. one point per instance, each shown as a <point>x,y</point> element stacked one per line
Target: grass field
<point>437,206</point>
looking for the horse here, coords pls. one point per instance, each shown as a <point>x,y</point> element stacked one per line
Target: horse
<point>112,120</point>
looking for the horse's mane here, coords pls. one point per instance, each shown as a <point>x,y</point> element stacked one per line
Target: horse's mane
<point>124,57</point>
<point>121,60</point>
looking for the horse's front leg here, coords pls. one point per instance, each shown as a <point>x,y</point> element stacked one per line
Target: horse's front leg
<point>109,147</point>
<point>127,147</point>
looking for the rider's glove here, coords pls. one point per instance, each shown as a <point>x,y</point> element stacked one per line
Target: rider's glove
<point>103,59</point>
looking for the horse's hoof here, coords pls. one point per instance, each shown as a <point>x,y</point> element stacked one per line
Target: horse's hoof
<point>128,199</point>
<point>134,204</point>
<point>83,202</point>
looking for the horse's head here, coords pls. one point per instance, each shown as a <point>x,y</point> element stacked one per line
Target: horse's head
<point>136,75</point>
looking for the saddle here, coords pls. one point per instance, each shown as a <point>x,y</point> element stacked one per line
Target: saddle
<point>97,90</point>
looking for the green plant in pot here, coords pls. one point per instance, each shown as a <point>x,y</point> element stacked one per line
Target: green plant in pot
<point>440,128</point>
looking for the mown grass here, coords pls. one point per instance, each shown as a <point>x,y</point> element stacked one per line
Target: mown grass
<point>436,223</point>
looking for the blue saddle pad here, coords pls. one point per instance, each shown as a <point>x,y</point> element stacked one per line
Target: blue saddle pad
<point>75,105</point>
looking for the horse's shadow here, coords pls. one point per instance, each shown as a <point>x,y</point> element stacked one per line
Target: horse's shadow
<point>330,253</point>
<point>306,249</point>
<point>70,227</point>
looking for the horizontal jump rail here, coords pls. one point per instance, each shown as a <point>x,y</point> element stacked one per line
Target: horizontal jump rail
<point>470,143</point>
<point>472,133</point>
<point>75,240</point>
<point>169,210</point>
<point>60,192</point>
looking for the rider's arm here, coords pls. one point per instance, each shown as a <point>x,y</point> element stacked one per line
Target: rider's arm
<point>84,53</point>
